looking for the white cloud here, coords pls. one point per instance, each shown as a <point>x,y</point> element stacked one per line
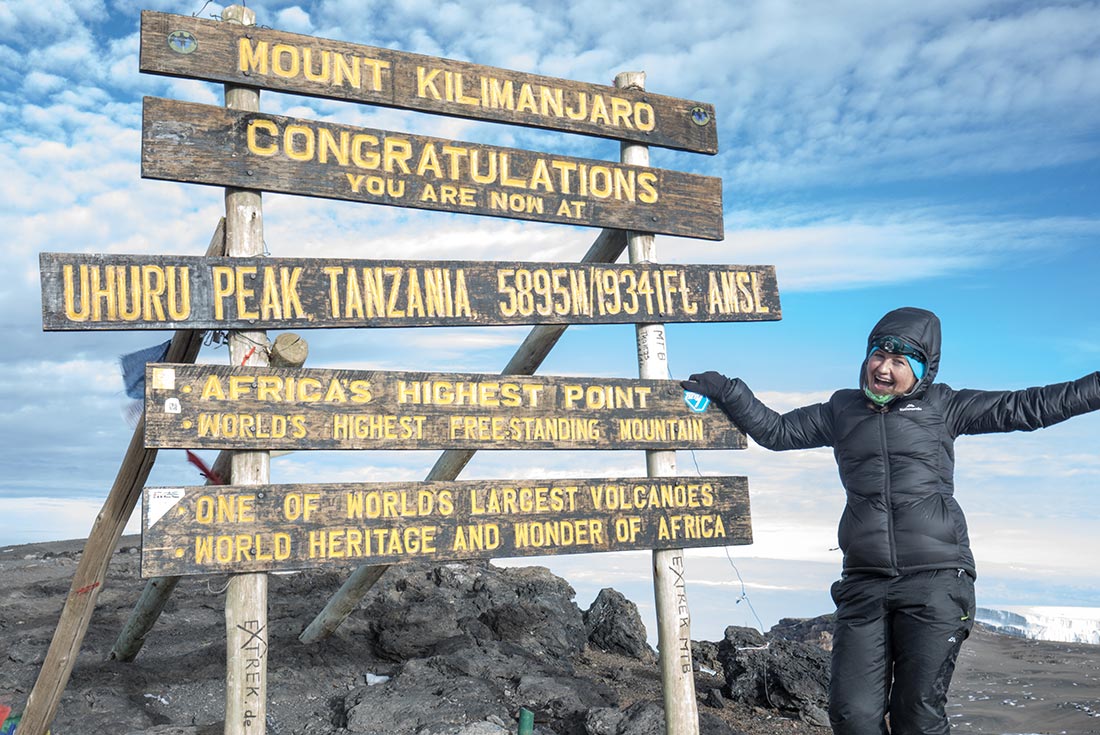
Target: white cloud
<point>901,242</point>
<point>33,18</point>
<point>33,519</point>
<point>293,19</point>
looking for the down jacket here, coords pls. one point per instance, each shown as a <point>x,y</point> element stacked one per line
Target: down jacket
<point>897,461</point>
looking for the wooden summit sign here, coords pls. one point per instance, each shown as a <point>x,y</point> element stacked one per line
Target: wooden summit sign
<point>226,407</point>
<point>184,46</point>
<point>82,291</point>
<point>220,529</point>
<point>201,144</point>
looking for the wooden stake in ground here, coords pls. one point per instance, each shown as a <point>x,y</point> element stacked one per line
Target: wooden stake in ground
<point>246,598</point>
<point>673,619</point>
<point>91,571</point>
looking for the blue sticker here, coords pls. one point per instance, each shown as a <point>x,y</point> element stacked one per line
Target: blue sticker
<point>697,402</point>
<point>182,42</point>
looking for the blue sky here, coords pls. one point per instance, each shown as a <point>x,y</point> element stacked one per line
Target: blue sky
<point>943,154</point>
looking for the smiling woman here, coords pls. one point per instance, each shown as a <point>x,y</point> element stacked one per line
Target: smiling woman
<point>893,369</point>
<point>888,375</point>
<point>905,602</point>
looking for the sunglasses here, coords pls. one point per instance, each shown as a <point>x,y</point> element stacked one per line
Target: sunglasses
<point>896,346</point>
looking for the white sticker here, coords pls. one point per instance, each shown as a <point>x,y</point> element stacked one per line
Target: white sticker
<point>160,500</point>
<point>172,405</point>
<point>164,379</point>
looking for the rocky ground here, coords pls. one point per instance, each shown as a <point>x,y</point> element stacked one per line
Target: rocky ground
<point>458,649</point>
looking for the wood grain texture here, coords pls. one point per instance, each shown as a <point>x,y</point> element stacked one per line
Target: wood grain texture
<point>124,292</point>
<point>201,144</point>
<point>227,407</point>
<point>195,48</point>
<point>222,529</point>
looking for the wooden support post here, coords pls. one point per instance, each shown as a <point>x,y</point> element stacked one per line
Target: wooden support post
<point>673,619</point>
<point>145,613</point>
<point>91,570</point>
<point>246,597</point>
<point>528,356</point>
<point>155,595</point>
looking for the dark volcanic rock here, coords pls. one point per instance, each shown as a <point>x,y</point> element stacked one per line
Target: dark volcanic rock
<point>641,718</point>
<point>614,624</point>
<point>645,718</point>
<point>426,695</point>
<point>478,643</point>
<point>421,608</point>
<point>788,676</point>
<point>818,631</point>
<point>456,649</point>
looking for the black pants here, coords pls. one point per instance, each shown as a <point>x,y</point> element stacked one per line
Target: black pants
<point>895,643</point>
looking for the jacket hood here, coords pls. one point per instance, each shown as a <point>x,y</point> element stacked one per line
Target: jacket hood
<point>918,327</point>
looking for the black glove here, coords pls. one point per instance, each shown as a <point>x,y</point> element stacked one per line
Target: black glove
<point>710,384</point>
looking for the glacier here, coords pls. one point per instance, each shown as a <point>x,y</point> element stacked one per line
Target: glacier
<point>1043,623</point>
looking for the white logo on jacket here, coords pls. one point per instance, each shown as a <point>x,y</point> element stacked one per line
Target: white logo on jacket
<point>910,407</point>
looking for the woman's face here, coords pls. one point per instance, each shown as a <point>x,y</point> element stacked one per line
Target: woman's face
<point>889,375</point>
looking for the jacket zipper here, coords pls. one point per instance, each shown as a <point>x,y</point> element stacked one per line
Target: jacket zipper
<point>886,494</point>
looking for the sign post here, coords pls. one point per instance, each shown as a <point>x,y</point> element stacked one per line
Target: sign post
<point>195,48</point>
<point>246,599</point>
<point>252,408</point>
<point>673,618</point>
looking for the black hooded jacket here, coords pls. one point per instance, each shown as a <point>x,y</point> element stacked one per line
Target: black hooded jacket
<point>897,462</point>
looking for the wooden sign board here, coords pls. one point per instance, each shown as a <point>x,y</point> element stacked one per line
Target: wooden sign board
<point>194,48</point>
<point>227,407</point>
<point>83,292</point>
<point>202,144</point>
<point>229,529</point>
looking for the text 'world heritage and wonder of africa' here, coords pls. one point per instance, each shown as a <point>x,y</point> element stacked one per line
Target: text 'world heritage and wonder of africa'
<point>210,529</point>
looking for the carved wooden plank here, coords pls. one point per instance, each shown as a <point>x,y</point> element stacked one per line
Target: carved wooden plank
<point>222,529</point>
<point>201,144</point>
<point>82,292</point>
<point>235,407</point>
<point>195,48</point>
